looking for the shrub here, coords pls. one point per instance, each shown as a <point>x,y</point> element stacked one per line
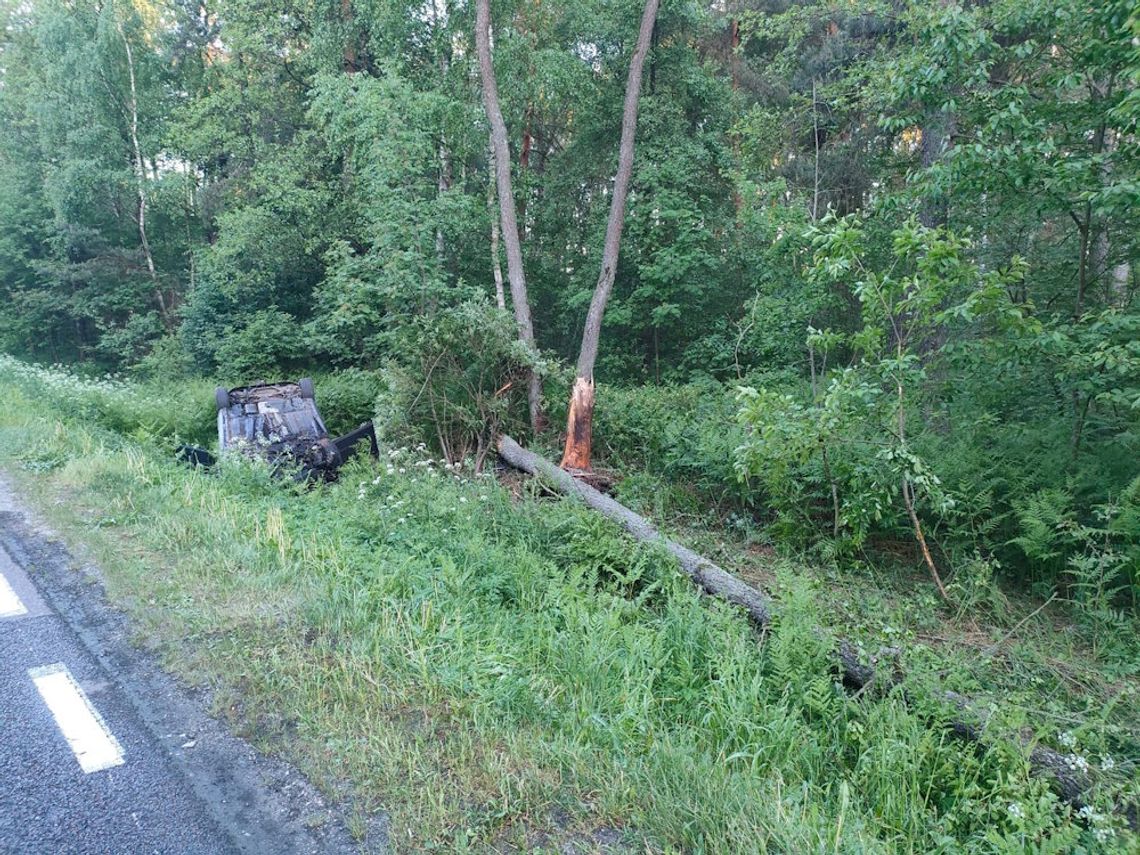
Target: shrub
<point>167,360</point>
<point>456,377</point>
<point>684,434</point>
<point>347,398</point>
<point>268,342</point>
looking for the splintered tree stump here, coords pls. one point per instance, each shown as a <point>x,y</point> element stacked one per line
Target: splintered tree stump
<point>579,426</point>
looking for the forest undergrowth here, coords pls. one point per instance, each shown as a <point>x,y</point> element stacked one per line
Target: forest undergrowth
<point>500,670</point>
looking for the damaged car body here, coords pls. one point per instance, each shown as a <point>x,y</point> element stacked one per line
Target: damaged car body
<point>280,423</point>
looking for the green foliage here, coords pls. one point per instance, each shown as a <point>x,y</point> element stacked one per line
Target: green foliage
<point>908,231</point>
<point>535,635</point>
<point>456,378</point>
<point>267,343</point>
<point>847,448</point>
<point>682,436</point>
<point>348,397</point>
<point>146,413</point>
<point>1096,561</point>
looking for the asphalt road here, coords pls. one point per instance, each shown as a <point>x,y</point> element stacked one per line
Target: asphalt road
<point>101,752</point>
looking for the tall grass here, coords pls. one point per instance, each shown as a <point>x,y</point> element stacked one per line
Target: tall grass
<point>508,671</point>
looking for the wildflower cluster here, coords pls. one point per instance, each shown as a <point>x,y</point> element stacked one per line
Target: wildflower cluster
<point>397,490</point>
<point>108,400</point>
<point>1099,823</point>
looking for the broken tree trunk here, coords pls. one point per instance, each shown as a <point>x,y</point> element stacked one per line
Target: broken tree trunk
<point>580,415</point>
<point>1070,784</point>
<point>702,571</point>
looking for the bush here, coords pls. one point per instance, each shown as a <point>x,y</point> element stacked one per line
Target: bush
<point>270,341</point>
<point>347,398</point>
<point>167,360</point>
<point>456,378</point>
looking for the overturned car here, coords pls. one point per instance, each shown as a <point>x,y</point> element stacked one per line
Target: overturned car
<point>279,423</point>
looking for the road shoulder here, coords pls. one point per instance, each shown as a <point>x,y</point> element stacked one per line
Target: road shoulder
<point>264,804</point>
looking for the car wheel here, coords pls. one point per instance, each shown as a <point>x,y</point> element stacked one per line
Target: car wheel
<point>222,398</point>
<point>306,384</point>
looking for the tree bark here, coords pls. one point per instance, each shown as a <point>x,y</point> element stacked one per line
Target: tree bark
<point>937,129</point>
<point>140,173</point>
<point>349,56</point>
<point>1118,285</point>
<point>443,184</point>
<point>496,266</point>
<point>579,420</point>
<point>507,214</point>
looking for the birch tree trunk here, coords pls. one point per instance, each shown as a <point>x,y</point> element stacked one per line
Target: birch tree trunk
<point>580,419</point>
<point>440,17</point>
<point>496,266</point>
<point>140,172</point>
<point>507,214</point>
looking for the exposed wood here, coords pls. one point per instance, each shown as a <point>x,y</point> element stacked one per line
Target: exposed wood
<point>579,419</point>
<point>1072,785</point>
<point>507,214</point>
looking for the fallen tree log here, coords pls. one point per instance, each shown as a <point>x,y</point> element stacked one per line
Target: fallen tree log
<point>707,575</point>
<point>1070,784</point>
<point>713,579</point>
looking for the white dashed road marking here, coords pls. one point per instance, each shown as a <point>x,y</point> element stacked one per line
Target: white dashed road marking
<point>10,604</point>
<point>92,742</point>
<point>18,596</point>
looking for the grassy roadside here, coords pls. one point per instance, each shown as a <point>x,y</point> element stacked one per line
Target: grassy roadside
<point>509,673</point>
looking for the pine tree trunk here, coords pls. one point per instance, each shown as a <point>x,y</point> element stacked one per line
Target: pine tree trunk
<point>580,417</point>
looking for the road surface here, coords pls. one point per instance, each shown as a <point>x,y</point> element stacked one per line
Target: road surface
<point>101,752</point>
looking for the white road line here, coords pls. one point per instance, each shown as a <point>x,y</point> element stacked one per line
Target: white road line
<point>10,604</point>
<point>94,745</point>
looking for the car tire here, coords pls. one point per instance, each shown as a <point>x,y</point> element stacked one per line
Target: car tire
<point>306,385</point>
<point>222,398</point>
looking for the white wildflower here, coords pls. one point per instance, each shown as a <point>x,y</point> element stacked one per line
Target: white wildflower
<point>1107,763</point>
<point>1067,739</point>
<point>1016,811</point>
<point>1077,763</point>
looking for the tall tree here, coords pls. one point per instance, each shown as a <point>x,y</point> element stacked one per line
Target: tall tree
<point>507,213</point>
<point>580,417</point>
